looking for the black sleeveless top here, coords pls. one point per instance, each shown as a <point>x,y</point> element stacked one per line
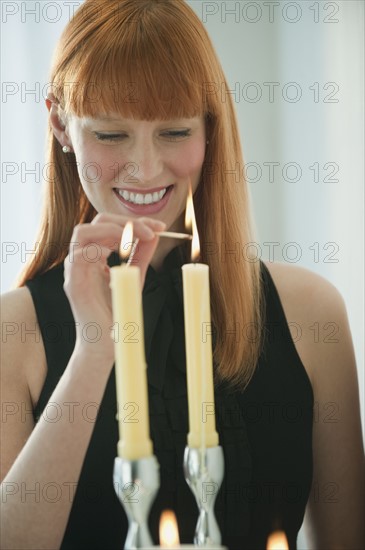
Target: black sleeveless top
<point>265,431</point>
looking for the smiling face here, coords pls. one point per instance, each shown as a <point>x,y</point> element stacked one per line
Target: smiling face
<point>137,167</point>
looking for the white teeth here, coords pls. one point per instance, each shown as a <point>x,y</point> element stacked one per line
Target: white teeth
<point>139,198</point>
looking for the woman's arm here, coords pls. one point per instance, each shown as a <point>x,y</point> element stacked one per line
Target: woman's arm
<point>48,465</point>
<point>336,507</point>
<point>45,461</point>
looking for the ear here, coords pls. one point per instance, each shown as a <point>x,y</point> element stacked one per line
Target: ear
<point>57,122</point>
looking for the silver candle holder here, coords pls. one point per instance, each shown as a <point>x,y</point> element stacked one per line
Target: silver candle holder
<point>136,483</point>
<point>204,471</point>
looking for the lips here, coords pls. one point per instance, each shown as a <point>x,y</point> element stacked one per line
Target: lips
<point>148,202</point>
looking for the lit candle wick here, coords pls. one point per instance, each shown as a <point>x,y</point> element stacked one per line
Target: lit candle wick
<point>169,533</point>
<point>126,241</point>
<point>277,541</point>
<point>190,224</point>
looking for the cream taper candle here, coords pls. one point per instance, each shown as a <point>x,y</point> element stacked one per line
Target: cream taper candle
<point>130,363</point>
<point>199,362</point>
<point>198,345</point>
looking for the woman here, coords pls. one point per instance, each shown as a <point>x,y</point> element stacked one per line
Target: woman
<point>133,120</point>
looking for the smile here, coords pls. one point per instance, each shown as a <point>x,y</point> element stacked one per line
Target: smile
<point>151,201</point>
<point>142,198</point>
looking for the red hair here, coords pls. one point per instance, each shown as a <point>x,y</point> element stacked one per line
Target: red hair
<point>153,59</point>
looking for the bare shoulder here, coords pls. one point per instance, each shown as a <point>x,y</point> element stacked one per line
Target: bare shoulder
<point>315,310</point>
<point>325,347</point>
<point>19,303</point>
<point>23,370</point>
<point>299,284</point>
<point>22,350</point>
<point>326,350</point>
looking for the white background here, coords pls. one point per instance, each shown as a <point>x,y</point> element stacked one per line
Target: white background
<point>296,71</point>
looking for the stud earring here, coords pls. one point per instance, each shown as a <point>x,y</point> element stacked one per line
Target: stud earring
<point>208,142</point>
<point>66,149</point>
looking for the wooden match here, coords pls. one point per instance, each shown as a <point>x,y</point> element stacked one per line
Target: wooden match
<point>174,235</point>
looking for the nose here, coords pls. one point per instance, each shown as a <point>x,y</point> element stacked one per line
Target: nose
<point>145,163</point>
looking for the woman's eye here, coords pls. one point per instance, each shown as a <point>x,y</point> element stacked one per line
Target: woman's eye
<point>175,135</point>
<point>169,135</point>
<point>109,137</point>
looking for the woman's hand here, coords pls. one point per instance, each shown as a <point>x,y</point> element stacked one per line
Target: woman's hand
<point>87,276</point>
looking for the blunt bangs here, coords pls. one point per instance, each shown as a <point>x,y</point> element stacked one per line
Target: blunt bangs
<point>140,61</point>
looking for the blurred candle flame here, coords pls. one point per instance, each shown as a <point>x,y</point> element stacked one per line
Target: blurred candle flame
<point>169,533</point>
<point>190,224</point>
<point>277,541</point>
<point>126,241</point>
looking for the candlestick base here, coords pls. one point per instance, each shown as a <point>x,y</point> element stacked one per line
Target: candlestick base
<point>136,483</point>
<point>204,471</point>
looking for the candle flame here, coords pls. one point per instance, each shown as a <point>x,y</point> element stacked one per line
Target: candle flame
<point>190,224</point>
<point>277,541</point>
<point>169,533</point>
<point>126,241</point>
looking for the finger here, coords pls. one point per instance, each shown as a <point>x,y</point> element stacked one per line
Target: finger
<point>84,261</point>
<point>109,234</point>
<point>106,217</point>
<point>92,253</point>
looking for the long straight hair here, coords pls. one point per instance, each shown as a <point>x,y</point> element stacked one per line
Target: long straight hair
<point>153,59</point>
